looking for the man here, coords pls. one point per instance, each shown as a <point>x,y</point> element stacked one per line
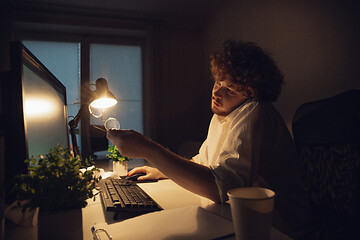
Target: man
<point>248,144</point>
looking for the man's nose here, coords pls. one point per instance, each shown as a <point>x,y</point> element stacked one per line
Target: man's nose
<point>219,92</point>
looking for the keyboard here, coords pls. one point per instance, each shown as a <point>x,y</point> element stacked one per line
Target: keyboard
<point>121,195</point>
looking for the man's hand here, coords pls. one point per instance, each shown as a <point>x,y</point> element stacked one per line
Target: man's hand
<point>151,173</point>
<point>130,143</point>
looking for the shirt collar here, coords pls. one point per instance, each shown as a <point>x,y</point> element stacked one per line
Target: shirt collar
<point>234,112</point>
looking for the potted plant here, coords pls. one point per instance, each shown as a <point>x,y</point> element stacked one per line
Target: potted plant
<point>59,185</point>
<point>120,162</point>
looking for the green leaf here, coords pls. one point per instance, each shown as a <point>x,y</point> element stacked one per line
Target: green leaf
<point>55,182</point>
<point>115,155</point>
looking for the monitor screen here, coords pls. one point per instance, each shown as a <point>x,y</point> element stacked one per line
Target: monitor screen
<point>34,111</point>
<point>44,110</point>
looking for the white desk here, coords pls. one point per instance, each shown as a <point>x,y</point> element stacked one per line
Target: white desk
<point>168,195</point>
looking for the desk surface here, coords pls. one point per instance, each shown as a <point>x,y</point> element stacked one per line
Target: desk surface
<point>169,196</point>
<point>165,192</point>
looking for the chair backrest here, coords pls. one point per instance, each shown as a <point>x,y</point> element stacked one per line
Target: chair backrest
<point>327,134</point>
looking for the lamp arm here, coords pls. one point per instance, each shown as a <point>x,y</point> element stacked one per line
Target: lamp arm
<point>100,91</point>
<point>73,125</point>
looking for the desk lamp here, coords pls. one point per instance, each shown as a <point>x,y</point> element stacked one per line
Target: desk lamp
<point>101,98</point>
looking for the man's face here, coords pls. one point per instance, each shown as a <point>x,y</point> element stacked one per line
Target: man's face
<point>226,96</point>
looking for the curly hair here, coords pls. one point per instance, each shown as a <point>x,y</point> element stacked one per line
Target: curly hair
<point>249,66</point>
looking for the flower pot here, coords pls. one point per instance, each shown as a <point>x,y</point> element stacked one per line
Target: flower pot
<point>120,167</point>
<point>62,225</point>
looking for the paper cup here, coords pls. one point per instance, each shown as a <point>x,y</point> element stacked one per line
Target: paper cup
<point>251,210</point>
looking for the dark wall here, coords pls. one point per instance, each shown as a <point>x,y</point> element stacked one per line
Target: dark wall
<point>5,37</point>
<point>6,33</point>
<point>184,87</point>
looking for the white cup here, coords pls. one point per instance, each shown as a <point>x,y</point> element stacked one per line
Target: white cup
<point>251,210</point>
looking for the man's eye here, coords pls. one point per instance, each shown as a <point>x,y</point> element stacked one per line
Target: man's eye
<point>229,91</point>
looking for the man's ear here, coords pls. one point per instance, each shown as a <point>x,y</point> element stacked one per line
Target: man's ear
<point>251,92</point>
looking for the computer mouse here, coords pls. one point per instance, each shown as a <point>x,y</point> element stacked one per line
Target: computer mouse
<point>135,176</point>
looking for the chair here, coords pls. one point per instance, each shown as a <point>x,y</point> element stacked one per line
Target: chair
<point>327,135</point>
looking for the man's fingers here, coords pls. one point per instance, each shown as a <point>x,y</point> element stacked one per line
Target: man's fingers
<point>136,170</point>
<point>141,178</point>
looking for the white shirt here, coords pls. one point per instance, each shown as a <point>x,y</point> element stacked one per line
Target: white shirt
<point>253,147</point>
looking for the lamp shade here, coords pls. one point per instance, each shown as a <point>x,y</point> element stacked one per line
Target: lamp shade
<point>102,97</point>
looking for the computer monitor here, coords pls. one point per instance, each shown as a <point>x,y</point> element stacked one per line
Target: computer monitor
<point>34,111</point>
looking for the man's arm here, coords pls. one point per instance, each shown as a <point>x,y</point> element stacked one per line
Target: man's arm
<point>188,174</point>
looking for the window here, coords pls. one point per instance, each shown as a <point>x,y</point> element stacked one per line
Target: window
<point>119,64</point>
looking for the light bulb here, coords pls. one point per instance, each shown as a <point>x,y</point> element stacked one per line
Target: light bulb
<point>103,103</point>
